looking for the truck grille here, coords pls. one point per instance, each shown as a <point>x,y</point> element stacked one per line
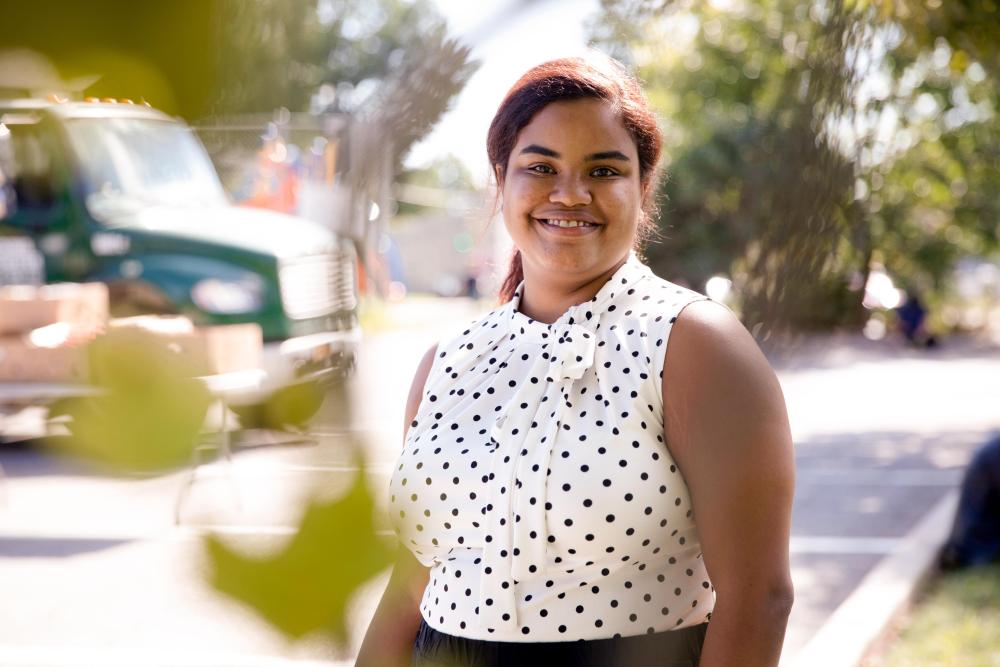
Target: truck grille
<point>317,285</point>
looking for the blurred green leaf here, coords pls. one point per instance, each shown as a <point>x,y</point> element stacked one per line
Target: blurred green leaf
<point>293,406</point>
<point>149,409</point>
<point>161,51</point>
<point>307,586</point>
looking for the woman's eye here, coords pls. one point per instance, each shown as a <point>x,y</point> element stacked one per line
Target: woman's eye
<point>541,169</point>
<point>604,172</point>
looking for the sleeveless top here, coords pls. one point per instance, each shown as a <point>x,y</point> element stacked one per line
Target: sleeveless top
<point>535,481</point>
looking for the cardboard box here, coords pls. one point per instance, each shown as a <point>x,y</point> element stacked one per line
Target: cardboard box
<point>208,350</point>
<point>23,361</point>
<point>27,307</point>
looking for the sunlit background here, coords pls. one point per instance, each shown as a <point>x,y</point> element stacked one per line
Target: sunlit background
<point>229,230</point>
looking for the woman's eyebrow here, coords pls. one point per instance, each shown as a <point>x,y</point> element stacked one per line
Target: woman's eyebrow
<point>608,155</point>
<point>541,150</point>
<point>548,152</point>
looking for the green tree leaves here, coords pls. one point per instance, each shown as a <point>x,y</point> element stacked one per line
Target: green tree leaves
<point>807,142</point>
<point>199,58</point>
<point>389,61</point>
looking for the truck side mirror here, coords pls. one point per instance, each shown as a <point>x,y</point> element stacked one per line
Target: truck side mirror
<point>34,190</point>
<point>7,200</point>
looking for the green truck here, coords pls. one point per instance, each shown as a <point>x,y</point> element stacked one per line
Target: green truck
<point>124,194</point>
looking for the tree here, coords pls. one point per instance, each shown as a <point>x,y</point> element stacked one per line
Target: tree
<point>390,60</point>
<point>775,142</point>
<point>931,196</point>
<point>757,187</point>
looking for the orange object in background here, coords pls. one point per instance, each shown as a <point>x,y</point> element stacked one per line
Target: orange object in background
<point>276,180</point>
<point>282,195</point>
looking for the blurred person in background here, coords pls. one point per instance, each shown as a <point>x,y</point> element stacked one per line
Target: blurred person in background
<point>571,489</point>
<point>975,534</point>
<point>912,322</point>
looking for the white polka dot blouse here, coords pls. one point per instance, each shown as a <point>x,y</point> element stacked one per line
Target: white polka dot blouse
<point>535,482</point>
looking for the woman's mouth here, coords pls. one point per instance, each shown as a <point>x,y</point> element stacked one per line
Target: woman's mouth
<point>574,227</point>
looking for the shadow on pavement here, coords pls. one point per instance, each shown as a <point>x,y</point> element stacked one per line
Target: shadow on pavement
<point>837,351</point>
<point>51,547</point>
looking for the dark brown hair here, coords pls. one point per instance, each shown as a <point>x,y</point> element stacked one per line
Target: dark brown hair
<point>597,77</point>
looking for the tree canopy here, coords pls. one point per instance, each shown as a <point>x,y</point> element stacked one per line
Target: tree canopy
<point>808,142</point>
<point>386,60</point>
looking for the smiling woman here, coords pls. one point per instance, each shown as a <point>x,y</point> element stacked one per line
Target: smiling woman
<point>576,104</point>
<point>571,212</point>
<point>558,450</point>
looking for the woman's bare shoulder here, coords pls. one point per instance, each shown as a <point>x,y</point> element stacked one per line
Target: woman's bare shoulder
<point>709,336</point>
<point>418,383</point>
<point>716,374</point>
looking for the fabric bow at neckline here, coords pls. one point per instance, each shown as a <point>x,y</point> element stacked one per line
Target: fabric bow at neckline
<point>586,315</point>
<point>523,441</point>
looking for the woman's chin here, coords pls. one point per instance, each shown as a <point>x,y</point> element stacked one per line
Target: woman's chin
<point>568,262</point>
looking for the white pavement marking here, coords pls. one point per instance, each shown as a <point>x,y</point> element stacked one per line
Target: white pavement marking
<point>71,656</point>
<point>178,534</point>
<point>799,545</point>
<point>271,469</point>
<point>843,545</point>
<point>860,620</point>
<point>899,477</point>
<point>357,430</point>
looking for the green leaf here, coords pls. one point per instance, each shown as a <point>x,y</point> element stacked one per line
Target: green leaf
<point>149,409</point>
<point>306,587</point>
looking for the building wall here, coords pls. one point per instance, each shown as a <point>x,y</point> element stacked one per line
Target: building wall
<point>439,251</point>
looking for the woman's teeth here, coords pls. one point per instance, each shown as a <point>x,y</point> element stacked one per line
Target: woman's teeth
<point>568,223</point>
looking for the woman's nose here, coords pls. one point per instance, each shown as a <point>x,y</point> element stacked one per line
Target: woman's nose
<point>570,191</point>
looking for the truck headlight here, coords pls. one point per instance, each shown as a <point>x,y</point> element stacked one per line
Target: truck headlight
<point>227,298</point>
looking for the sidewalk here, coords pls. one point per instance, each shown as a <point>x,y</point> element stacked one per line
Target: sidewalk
<point>883,433</point>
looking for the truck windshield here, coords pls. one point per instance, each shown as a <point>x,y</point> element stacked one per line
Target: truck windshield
<point>142,161</point>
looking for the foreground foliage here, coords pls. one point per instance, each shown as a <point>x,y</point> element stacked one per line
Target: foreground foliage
<point>306,587</point>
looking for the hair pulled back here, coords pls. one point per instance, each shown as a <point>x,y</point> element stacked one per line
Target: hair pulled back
<point>596,77</point>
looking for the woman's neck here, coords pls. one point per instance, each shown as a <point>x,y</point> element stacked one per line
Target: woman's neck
<point>545,298</point>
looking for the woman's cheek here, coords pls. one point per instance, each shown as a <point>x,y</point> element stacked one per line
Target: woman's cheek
<point>625,201</point>
<point>520,200</point>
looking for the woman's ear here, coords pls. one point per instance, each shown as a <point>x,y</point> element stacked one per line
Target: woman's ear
<point>498,173</point>
<point>645,186</point>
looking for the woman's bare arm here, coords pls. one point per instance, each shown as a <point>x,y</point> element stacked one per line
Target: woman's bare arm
<point>389,639</point>
<point>727,429</point>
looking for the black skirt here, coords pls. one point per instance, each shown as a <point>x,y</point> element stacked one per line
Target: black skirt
<point>676,648</point>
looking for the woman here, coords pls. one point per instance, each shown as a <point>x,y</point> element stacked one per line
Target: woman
<point>558,450</point>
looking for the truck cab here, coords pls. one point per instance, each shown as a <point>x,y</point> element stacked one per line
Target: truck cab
<point>123,194</point>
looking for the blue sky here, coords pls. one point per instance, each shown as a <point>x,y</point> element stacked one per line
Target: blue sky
<point>510,37</point>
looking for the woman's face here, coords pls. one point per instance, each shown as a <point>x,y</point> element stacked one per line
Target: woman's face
<point>571,193</point>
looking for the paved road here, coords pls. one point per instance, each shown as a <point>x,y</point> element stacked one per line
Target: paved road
<point>94,571</point>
